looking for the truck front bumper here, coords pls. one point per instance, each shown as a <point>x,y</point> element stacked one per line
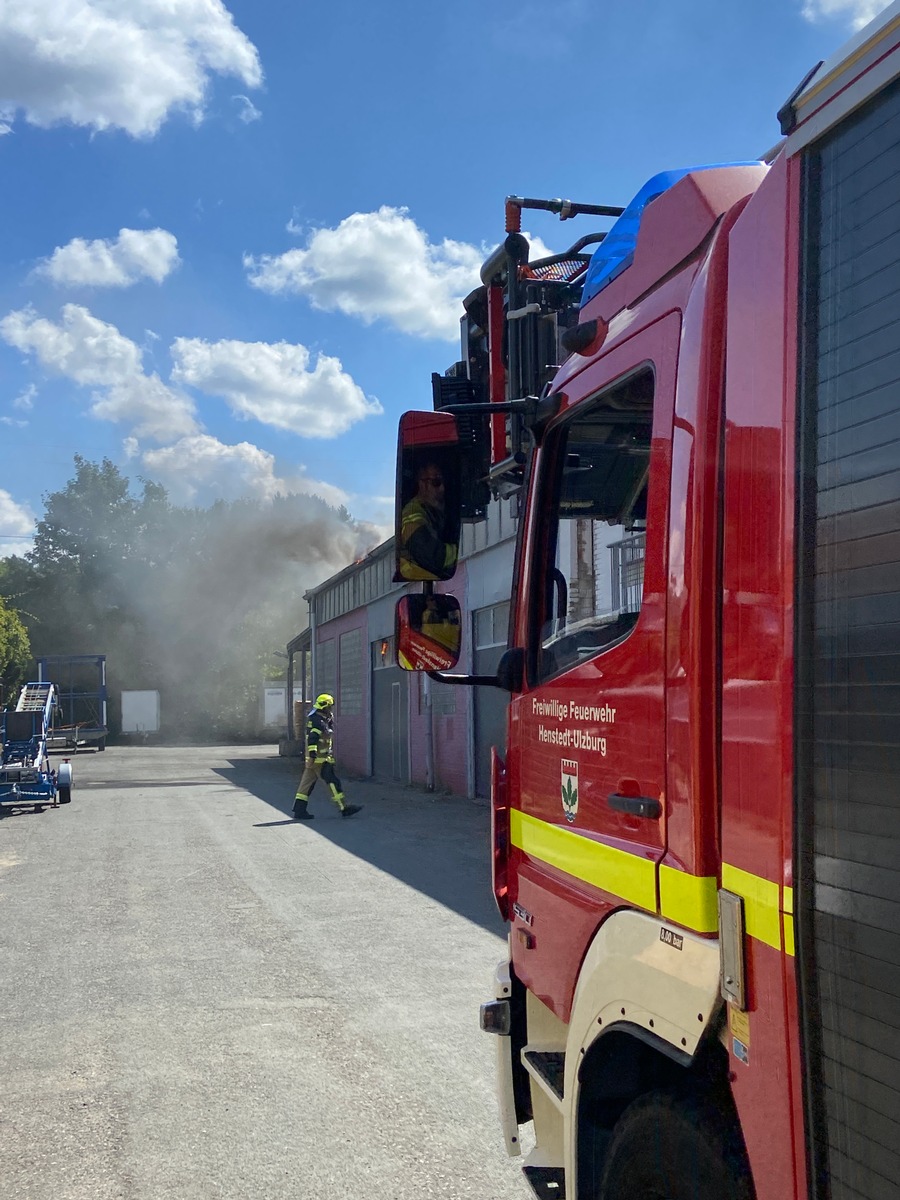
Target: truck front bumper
<point>496,1018</point>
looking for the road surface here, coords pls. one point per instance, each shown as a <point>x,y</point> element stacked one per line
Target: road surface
<point>202,998</point>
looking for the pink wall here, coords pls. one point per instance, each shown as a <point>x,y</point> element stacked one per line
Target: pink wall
<point>450,731</point>
<point>351,729</point>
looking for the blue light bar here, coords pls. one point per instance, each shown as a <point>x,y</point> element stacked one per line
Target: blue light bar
<point>616,252</point>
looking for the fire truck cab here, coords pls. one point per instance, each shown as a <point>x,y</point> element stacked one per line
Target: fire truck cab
<point>696,820</point>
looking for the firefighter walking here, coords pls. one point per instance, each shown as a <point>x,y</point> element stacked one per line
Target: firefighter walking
<point>319,763</point>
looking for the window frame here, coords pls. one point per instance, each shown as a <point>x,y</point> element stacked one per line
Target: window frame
<point>547,524</point>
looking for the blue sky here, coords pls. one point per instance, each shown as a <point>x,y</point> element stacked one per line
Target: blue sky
<point>236,234</point>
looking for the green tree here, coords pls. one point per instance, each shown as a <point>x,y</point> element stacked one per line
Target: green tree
<point>89,524</point>
<point>15,652</point>
<point>188,601</point>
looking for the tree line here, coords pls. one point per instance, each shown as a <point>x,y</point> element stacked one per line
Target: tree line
<point>192,602</point>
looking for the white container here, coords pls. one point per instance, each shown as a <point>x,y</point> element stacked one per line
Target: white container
<point>140,712</point>
<point>273,711</point>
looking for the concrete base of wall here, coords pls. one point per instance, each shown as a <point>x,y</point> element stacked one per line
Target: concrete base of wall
<point>291,748</point>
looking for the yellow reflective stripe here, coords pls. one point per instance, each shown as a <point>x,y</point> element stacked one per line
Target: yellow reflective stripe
<point>762,913</point>
<point>689,900</point>
<point>616,871</point>
<point>787,919</point>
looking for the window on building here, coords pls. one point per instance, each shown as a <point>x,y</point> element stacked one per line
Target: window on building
<point>491,625</point>
<point>325,667</point>
<point>383,654</point>
<point>351,676</point>
<point>443,698</point>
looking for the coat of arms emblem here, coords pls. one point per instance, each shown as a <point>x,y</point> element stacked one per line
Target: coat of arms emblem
<point>569,770</point>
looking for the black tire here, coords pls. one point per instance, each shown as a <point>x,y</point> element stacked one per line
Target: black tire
<point>671,1147</point>
<point>65,794</point>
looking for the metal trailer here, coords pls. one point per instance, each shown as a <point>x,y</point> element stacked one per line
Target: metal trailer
<point>81,697</point>
<point>26,777</point>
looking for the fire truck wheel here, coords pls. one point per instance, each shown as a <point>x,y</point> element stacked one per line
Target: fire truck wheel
<point>671,1147</point>
<point>65,795</point>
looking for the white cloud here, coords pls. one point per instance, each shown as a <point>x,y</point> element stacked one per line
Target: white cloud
<point>134,255</point>
<point>148,406</point>
<point>25,398</point>
<point>858,12</point>
<point>17,523</point>
<point>102,64</point>
<point>82,347</point>
<point>93,353</point>
<point>273,383</point>
<point>201,469</point>
<point>247,110</point>
<point>377,265</point>
<point>15,519</point>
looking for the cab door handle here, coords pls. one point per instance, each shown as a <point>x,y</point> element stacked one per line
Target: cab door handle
<point>635,806</point>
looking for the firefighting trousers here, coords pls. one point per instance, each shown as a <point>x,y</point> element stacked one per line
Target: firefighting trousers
<point>326,772</point>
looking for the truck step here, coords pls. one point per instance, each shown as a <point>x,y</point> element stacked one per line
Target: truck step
<point>547,1183</point>
<point>548,1067</point>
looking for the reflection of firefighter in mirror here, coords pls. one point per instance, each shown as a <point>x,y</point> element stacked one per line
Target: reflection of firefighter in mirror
<point>424,551</point>
<point>440,627</point>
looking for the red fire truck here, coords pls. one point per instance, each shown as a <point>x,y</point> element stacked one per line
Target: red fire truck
<point>696,820</point>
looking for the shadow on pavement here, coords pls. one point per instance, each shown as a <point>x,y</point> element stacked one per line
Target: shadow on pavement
<point>439,845</point>
<point>125,784</point>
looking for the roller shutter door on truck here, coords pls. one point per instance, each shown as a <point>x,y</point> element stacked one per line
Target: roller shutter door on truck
<point>848,711</point>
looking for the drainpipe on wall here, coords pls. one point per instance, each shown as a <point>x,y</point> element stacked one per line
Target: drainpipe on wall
<point>289,696</point>
<point>429,734</point>
<point>313,656</point>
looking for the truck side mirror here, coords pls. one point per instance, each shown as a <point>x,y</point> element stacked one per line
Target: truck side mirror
<point>511,669</point>
<point>428,497</point>
<point>429,632</point>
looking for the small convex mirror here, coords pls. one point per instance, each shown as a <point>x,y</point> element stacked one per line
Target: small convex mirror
<point>428,632</point>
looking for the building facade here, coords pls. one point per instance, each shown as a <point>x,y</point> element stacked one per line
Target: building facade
<point>395,724</point>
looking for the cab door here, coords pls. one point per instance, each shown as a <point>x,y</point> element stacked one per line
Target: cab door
<point>590,827</point>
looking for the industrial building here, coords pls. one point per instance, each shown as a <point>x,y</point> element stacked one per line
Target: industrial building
<point>393,724</point>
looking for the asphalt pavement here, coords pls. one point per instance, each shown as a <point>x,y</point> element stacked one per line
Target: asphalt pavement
<point>200,997</point>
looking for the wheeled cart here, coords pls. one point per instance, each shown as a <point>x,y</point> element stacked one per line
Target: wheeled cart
<point>26,777</point>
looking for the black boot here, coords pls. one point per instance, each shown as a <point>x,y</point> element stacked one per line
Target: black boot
<point>301,811</point>
<point>350,810</point>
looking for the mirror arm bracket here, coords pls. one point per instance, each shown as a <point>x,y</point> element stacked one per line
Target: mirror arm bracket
<point>465,680</point>
<point>535,411</point>
<point>487,407</point>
